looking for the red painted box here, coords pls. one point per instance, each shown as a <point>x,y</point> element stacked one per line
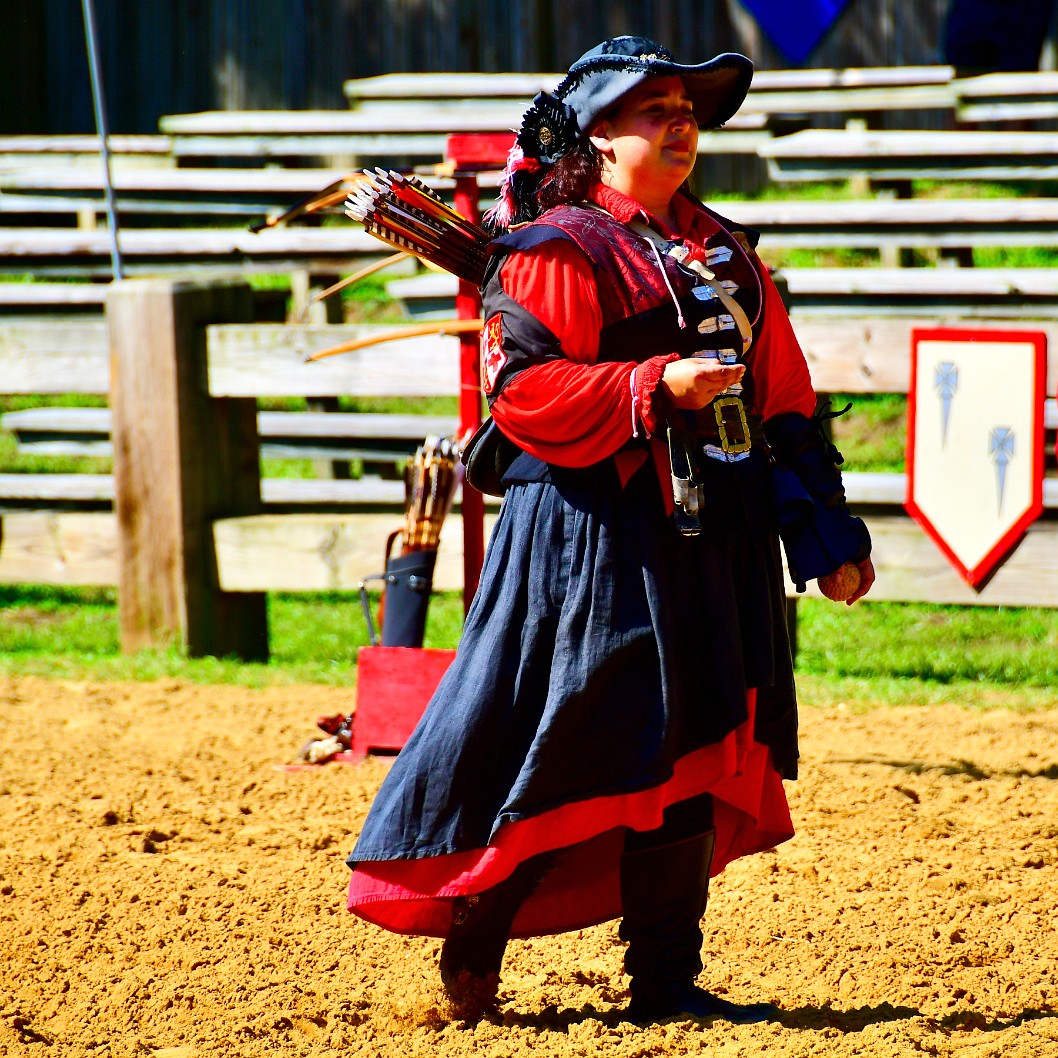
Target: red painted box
<point>393,686</point>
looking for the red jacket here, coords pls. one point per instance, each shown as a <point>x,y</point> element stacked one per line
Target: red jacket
<point>576,411</point>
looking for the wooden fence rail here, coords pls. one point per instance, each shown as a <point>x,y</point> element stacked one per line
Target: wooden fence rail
<point>194,539</point>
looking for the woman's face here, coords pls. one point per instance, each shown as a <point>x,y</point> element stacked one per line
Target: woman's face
<point>651,139</point>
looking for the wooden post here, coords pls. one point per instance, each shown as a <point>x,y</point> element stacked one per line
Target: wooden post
<point>181,459</point>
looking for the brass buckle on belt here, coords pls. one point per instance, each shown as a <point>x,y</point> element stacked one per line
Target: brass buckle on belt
<point>733,425</point>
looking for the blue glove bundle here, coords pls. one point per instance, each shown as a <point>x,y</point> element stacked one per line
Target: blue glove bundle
<point>818,532</point>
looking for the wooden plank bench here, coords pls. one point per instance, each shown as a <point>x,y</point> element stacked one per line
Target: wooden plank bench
<point>773,93</point>
<point>68,302</point>
<point>150,251</point>
<point>881,222</point>
<point>157,191</point>
<point>1025,96</point>
<point>67,297</point>
<point>967,293</point>
<point>523,86</point>
<point>930,292</point>
<point>835,154</point>
<point>126,152</point>
<point>157,196</point>
<point>375,438</point>
<point>418,129</point>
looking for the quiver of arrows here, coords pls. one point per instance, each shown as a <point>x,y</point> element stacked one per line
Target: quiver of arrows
<point>403,212</point>
<point>430,479</point>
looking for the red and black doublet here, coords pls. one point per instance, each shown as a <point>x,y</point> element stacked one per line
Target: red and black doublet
<point>609,667</point>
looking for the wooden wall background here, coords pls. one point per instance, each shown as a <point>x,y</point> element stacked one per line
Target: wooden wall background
<point>175,56</point>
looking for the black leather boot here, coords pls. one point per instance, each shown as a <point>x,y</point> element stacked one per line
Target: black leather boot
<point>473,951</point>
<point>664,892</point>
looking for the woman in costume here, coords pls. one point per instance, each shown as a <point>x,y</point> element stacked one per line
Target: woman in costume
<point>620,714</point>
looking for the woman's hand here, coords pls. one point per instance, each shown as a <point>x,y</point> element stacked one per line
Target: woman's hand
<point>867,577</point>
<point>693,383</point>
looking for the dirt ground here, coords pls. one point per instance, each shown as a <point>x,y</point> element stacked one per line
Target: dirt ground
<point>167,889</point>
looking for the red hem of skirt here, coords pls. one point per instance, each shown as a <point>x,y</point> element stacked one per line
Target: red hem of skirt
<point>750,814</point>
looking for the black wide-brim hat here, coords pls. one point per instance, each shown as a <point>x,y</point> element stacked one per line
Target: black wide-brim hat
<point>600,77</point>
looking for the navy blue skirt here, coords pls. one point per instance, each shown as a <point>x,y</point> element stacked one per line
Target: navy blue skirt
<point>608,667</point>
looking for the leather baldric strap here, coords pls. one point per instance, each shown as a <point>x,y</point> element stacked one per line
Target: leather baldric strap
<point>681,255</point>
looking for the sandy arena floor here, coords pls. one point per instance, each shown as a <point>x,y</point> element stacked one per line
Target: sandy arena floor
<point>166,889</point>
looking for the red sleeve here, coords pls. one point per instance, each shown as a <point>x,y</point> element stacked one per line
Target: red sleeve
<point>556,283</point>
<point>571,412</point>
<point>780,371</point>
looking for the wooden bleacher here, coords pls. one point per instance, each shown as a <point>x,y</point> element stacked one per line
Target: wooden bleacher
<point>411,115</point>
<point>839,154</point>
<point>854,324</point>
<point>126,152</point>
<point>372,437</point>
<point>847,92</point>
<point>161,191</point>
<point>935,293</point>
<point>85,254</point>
<point>998,97</point>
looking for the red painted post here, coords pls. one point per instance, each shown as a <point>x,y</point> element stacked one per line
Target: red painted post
<point>468,307</point>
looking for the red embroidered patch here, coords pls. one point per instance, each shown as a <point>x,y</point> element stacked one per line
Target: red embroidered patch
<point>493,358</point>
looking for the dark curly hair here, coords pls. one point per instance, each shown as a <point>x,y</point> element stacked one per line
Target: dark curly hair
<point>568,181</point>
<point>571,177</point>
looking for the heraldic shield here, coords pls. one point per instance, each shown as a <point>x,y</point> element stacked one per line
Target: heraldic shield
<point>975,442</point>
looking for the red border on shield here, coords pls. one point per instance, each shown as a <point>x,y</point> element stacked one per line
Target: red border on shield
<point>1038,339</point>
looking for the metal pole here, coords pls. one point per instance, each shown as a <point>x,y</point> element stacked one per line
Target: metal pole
<point>101,128</point>
<point>468,307</point>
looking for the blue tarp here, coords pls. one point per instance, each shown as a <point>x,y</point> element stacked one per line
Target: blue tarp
<point>795,27</point>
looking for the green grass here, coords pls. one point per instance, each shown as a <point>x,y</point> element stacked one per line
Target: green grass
<point>871,435</point>
<point>937,644</point>
<point>14,462</point>
<point>867,654</point>
<point>1015,256</point>
<point>73,633</point>
<point>367,301</point>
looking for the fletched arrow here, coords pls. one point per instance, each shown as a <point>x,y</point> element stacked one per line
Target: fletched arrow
<point>431,478</point>
<point>403,212</point>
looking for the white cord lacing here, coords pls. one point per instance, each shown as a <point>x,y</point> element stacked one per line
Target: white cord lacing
<point>672,293</point>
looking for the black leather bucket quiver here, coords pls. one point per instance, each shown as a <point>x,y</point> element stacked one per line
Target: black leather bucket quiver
<point>818,532</point>
<point>407,582</point>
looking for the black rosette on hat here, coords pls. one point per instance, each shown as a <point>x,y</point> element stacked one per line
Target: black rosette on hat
<point>549,129</point>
